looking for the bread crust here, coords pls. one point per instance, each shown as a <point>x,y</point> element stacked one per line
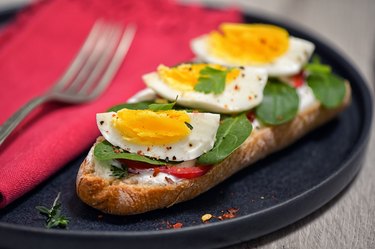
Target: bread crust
<point>114,196</point>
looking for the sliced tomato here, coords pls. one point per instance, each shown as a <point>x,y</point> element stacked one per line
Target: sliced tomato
<point>180,172</point>
<point>298,79</point>
<point>186,173</point>
<point>137,164</point>
<point>250,116</point>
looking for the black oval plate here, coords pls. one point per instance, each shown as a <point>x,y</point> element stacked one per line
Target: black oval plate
<point>269,195</point>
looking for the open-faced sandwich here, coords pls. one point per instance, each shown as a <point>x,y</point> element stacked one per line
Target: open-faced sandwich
<point>251,91</point>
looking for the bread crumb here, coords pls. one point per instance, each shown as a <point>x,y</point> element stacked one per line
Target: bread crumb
<point>206,217</point>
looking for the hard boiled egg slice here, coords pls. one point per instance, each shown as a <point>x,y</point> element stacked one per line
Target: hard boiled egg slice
<point>243,87</point>
<point>259,45</point>
<point>169,135</point>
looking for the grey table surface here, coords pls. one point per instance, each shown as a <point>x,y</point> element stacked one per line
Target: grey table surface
<point>348,221</point>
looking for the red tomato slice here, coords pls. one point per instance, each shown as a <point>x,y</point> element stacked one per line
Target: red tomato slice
<point>137,164</point>
<point>298,79</point>
<point>180,172</point>
<point>186,173</point>
<point>251,116</point>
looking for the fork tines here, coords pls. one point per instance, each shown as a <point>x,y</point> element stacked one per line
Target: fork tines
<point>96,63</point>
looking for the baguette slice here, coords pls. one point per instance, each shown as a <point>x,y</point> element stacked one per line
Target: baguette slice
<point>126,197</point>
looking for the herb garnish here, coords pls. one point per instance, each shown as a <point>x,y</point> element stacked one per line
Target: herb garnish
<point>53,214</point>
<point>189,126</point>
<point>161,107</point>
<point>327,87</point>
<point>232,132</point>
<point>132,106</point>
<point>106,151</point>
<point>119,172</point>
<point>211,80</point>
<point>280,103</point>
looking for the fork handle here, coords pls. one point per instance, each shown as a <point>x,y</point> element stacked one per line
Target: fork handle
<point>17,117</point>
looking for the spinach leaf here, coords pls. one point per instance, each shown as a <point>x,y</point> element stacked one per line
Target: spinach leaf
<point>131,106</point>
<point>232,132</point>
<point>211,80</point>
<point>280,103</point>
<point>143,106</point>
<point>315,66</point>
<point>328,88</point>
<point>106,151</point>
<point>161,107</point>
<point>318,68</point>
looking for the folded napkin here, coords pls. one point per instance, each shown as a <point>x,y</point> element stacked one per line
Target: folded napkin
<point>37,48</point>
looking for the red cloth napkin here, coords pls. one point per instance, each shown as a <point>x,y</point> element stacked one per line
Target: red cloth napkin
<point>37,48</point>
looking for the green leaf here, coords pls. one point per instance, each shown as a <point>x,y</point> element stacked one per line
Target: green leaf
<point>43,210</point>
<point>318,68</point>
<point>189,126</point>
<point>119,172</point>
<point>106,151</point>
<point>329,89</point>
<point>211,80</point>
<point>280,103</point>
<point>315,66</point>
<point>143,106</point>
<point>53,214</point>
<point>161,107</point>
<point>232,132</point>
<point>131,106</point>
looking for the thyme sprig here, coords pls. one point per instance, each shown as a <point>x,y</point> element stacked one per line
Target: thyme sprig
<point>118,172</point>
<point>53,214</point>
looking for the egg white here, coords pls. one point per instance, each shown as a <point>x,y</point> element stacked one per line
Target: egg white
<point>200,140</point>
<point>243,93</point>
<point>290,63</point>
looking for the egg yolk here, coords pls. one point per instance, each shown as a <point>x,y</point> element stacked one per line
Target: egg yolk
<point>184,77</point>
<point>148,127</point>
<point>248,44</point>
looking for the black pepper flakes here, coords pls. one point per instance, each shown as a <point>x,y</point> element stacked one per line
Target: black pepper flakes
<point>169,180</point>
<point>101,122</point>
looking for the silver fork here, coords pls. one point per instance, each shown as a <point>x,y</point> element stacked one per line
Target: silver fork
<point>88,75</point>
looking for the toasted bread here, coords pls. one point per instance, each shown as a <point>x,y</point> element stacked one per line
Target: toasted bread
<point>127,197</point>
